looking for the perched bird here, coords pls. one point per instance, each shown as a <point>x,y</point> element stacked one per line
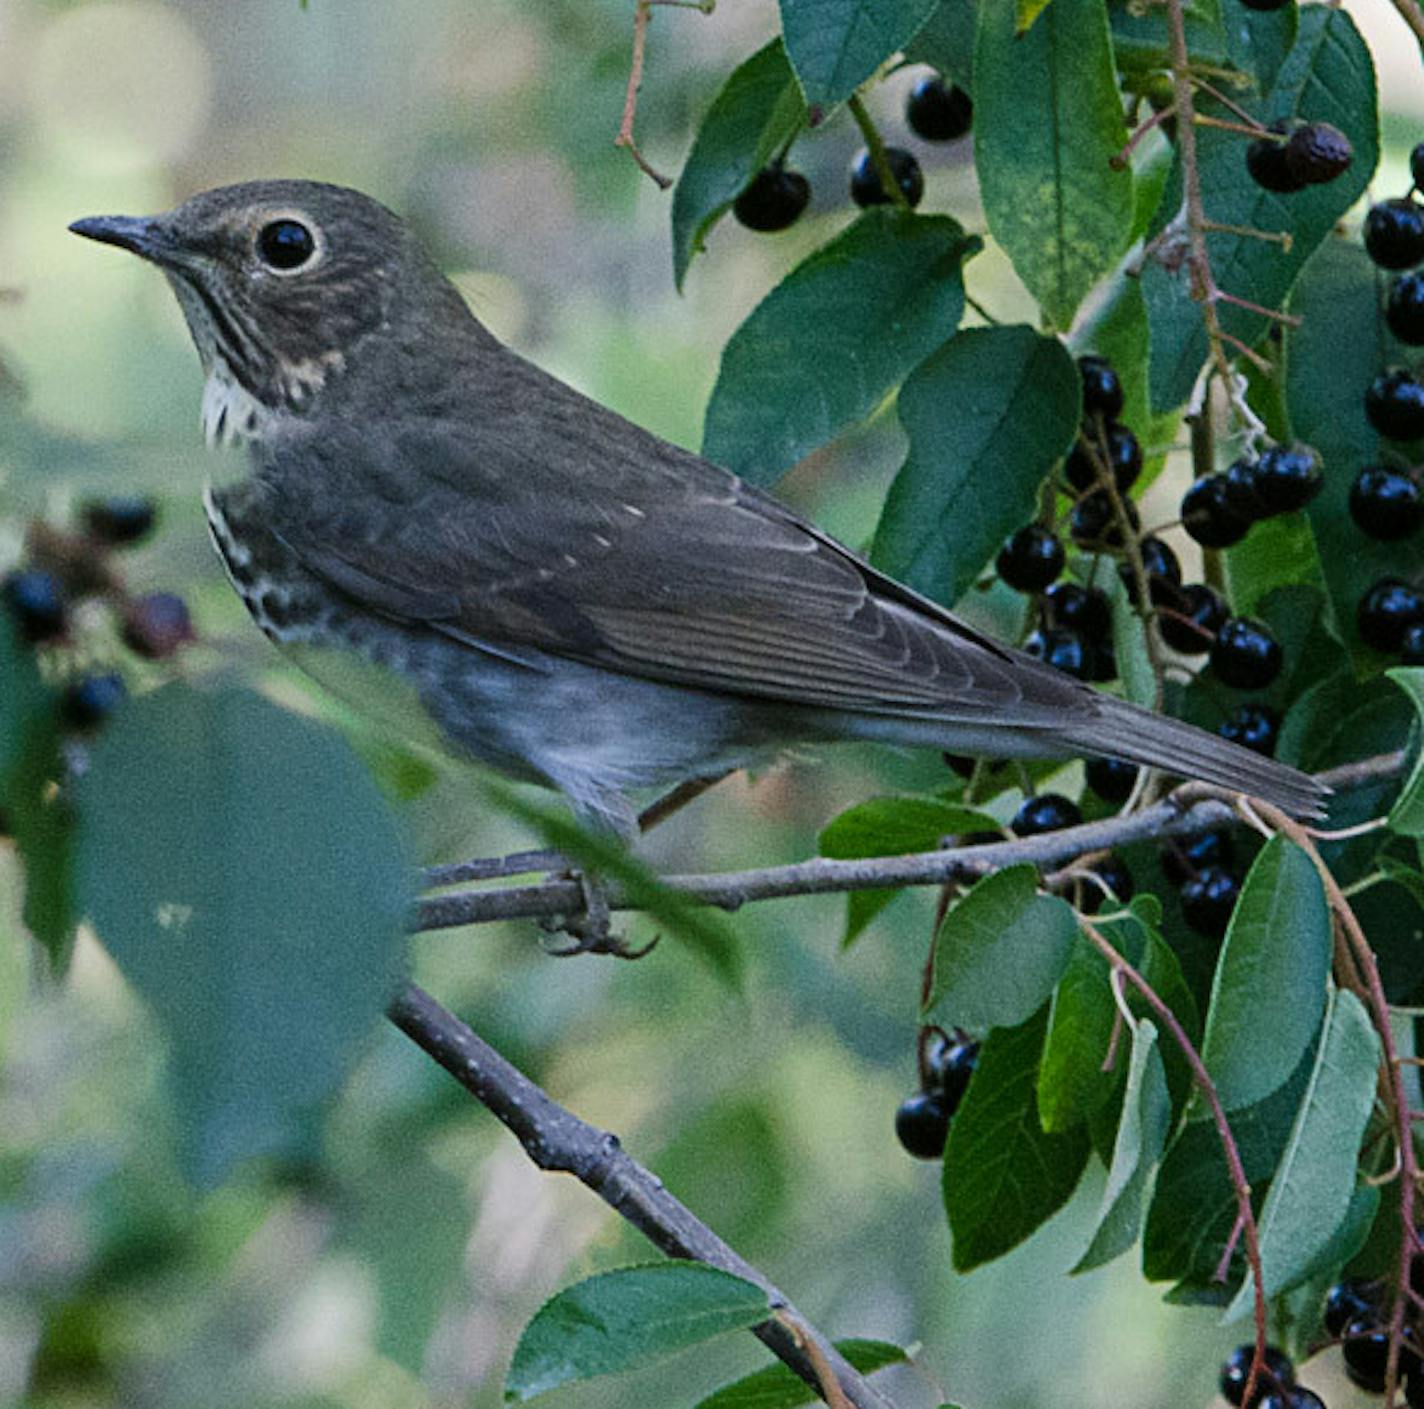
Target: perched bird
<point>568,597</point>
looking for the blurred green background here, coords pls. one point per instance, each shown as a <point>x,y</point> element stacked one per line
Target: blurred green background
<point>394,1264</point>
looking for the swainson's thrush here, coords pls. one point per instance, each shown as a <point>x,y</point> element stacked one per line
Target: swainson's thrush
<point>574,600</point>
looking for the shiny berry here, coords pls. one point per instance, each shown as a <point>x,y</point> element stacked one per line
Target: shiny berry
<point>1405,310</point>
<point>1349,1300</point>
<point>1318,153</point>
<point>155,625</point>
<point>1277,1373</point>
<point>1094,520</point>
<point>1364,1348</point>
<point>1164,572</point>
<point>119,519</point>
<point>36,603</point>
<point>1062,649</point>
<point>1267,165</point>
<point>1085,610</point>
<point>1208,899</point>
<point>1394,404</point>
<point>1287,478</point>
<point>1184,857</point>
<point>1394,234</point>
<point>1242,496</point>
<point>1297,1396</point>
<point>1117,446</point>
<point>87,703</point>
<point>922,1124</point>
<point>865,187</point>
<point>1245,655</point>
<point>1386,612</point>
<point>1208,517</point>
<point>1411,644</point>
<point>1030,559</point>
<point>1254,726</point>
<point>1113,779</point>
<point>1191,622</point>
<point>1386,503</point>
<point>1103,665</point>
<point>1045,812</point>
<point>947,1069</point>
<point>775,199</point>
<point>938,111</point>
<point>1102,387</point>
<point>1112,871</point>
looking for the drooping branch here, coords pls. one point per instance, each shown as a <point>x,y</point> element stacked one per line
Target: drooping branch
<point>1193,807</point>
<point>558,1141</point>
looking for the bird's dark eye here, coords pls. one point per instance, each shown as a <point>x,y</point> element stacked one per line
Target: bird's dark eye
<point>285,244</point>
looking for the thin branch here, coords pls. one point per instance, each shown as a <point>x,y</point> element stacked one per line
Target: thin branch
<point>642,12</point>
<point>1193,807</point>
<point>557,1140</point>
<point>879,156</point>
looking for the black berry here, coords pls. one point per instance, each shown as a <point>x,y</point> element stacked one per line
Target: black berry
<point>1347,1301</point>
<point>1386,503</point>
<point>775,199</point>
<point>1365,1350</point>
<point>1405,310</point>
<point>1254,726</point>
<point>1094,520</point>
<point>1394,404</point>
<point>1062,649</point>
<point>922,1124</point>
<point>1245,655</point>
<point>1297,1396</point>
<point>948,1066</point>
<point>1184,857</point>
<point>1411,644</point>
<point>1416,166</point>
<point>1267,165</point>
<point>938,111</point>
<point>1394,234</point>
<point>155,625</point>
<point>1277,1373</point>
<point>1208,517</point>
<point>36,603</point>
<point>1287,478</point>
<point>87,703</point>
<point>1240,488</point>
<point>1031,559</point>
<point>1113,779</point>
<point>1164,572</point>
<point>1386,612</point>
<point>1118,447</point>
<point>1191,622</point>
<point>1318,153</point>
<point>1112,871</point>
<point>865,187</point>
<point>1102,388</point>
<point>1208,899</point>
<point>1085,610</point>
<point>119,519</point>
<point>1045,812</point>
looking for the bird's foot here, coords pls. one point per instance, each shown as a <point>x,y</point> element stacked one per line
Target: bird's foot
<point>591,930</point>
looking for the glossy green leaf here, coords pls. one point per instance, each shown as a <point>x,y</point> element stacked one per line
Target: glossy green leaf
<point>1327,77</point>
<point>892,826</point>
<point>835,45</point>
<point>1407,815</point>
<point>1258,40</point>
<point>1269,988</point>
<point>248,879</point>
<point>999,952</point>
<point>826,346</point>
<point>1141,1136</point>
<point>1071,1081</point>
<point>777,1387</point>
<point>946,42</point>
<point>1047,117</point>
<point>1312,1187</point>
<point>1003,1176</point>
<point>620,1320</point>
<point>758,110</point>
<point>993,407</point>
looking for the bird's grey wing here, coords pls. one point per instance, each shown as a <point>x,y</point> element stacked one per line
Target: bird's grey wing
<point>642,558</point>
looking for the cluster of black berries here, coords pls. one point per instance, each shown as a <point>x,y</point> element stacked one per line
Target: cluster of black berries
<point>1203,868</point>
<point>65,568</point>
<point>1106,875</point>
<point>935,111</point>
<point>1275,1386</point>
<point>1291,155</point>
<point>1356,1317</point>
<point>1219,509</point>
<point>945,1063</point>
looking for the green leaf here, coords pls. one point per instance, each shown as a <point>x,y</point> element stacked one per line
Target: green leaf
<point>835,45</point>
<point>1328,76</point>
<point>1312,1187</point>
<point>248,879</point>
<point>946,42</point>
<point>1026,12</point>
<point>1407,815</point>
<point>777,1387</point>
<point>1146,1120</point>
<point>1259,40</point>
<point>1072,1084</point>
<point>1140,35</point>
<point>1047,117</point>
<point>892,826</point>
<point>1003,1176</point>
<point>1339,299</point>
<point>993,407</point>
<point>758,111</point>
<point>1130,652</point>
<point>999,952</point>
<point>42,820</point>
<point>620,1320</point>
<point>1163,970</point>
<point>1115,327</point>
<point>825,347</point>
<point>1269,988</point>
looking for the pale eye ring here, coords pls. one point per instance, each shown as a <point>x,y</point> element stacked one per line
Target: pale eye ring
<point>285,244</point>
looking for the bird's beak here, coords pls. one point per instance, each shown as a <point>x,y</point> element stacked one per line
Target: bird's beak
<point>145,236</point>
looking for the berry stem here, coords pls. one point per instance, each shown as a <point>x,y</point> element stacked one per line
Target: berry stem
<point>1213,92</point>
<point>1119,160</point>
<point>1226,125</point>
<point>1250,232</point>
<point>875,145</point>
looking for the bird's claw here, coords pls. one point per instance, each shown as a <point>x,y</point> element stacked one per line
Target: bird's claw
<point>591,930</point>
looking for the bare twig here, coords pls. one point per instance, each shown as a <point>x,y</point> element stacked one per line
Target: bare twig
<point>557,1140</point>
<point>642,13</point>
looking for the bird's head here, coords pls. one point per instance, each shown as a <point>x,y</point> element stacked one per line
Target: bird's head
<point>282,283</point>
